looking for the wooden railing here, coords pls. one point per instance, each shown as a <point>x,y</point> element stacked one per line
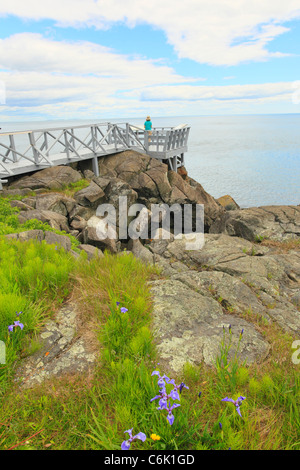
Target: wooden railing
<point>31,150</point>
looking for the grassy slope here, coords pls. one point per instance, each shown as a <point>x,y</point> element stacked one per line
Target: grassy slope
<point>93,413</point>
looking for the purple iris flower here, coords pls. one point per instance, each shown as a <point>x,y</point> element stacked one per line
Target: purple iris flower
<point>126,444</point>
<point>16,323</point>
<point>164,396</point>
<point>170,416</point>
<point>236,403</point>
<point>181,386</point>
<point>117,303</point>
<point>124,310</point>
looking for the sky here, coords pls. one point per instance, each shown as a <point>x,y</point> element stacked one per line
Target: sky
<point>111,59</point>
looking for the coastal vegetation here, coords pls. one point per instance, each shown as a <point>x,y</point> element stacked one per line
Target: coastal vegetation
<point>93,412</point>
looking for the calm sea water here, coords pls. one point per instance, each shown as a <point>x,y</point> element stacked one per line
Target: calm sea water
<point>255,159</point>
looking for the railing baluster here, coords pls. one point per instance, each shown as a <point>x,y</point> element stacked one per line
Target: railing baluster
<point>12,144</point>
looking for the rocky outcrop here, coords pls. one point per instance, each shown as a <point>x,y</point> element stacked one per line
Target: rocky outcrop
<point>189,326</point>
<point>232,280</point>
<point>242,276</point>
<point>66,349</point>
<point>51,178</point>
<point>228,202</point>
<point>154,183</point>
<point>256,223</point>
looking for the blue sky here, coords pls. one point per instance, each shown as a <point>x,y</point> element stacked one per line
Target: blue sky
<point>104,59</point>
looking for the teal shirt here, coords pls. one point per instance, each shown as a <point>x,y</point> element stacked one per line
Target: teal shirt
<point>148,125</point>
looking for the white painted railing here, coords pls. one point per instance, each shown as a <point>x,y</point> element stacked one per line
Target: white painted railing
<point>22,152</point>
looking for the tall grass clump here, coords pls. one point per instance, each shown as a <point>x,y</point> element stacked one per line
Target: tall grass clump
<point>9,222</point>
<point>34,277</point>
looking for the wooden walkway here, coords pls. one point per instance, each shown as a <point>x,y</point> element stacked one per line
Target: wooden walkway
<point>33,150</point>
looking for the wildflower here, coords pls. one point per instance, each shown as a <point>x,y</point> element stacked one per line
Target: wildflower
<point>117,303</point>
<point>155,437</point>
<point>170,416</point>
<point>124,310</point>
<point>16,323</point>
<point>237,403</point>
<point>164,397</point>
<point>199,394</point>
<point>126,444</point>
<point>181,386</point>
<point>242,332</point>
<point>220,426</point>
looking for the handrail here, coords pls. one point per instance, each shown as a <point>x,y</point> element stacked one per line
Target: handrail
<point>61,145</point>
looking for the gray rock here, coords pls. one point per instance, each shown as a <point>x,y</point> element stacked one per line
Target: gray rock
<point>91,196</point>
<point>55,202</point>
<point>55,177</point>
<point>140,251</point>
<point>56,221</point>
<point>152,181</point>
<point>256,223</point>
<point>189,328</point>
<point>62,351</point>
<point>20,205</point>
<point>55,239</point>
<point>78,223</point>
<point>91,251</point>
<point>27,235</point>
<point>91,236</point>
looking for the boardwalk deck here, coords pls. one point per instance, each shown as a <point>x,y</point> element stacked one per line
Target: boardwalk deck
<point>28,151</point>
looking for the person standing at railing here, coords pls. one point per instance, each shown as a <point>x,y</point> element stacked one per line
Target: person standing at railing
<point>148,127</point>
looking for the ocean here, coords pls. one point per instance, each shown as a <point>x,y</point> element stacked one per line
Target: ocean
<point>255,159</point>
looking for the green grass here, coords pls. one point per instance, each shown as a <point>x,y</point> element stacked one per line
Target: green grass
<point>34,278</point>
<point>9,222</point>
<point>82,412</point>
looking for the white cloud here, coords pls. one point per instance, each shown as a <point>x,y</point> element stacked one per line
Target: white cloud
<point>218,32</point>
<point>44,76</point>
<point>31,52</point>
<point>220,93</point>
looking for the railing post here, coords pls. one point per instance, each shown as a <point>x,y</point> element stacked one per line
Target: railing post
<point>46,142</point>
<point>95,158</point>
<point>109,125</point>
<point>33,145</point>
<point>67,144</point>
<point>12,144</point>
<point>127,135</point>
<point>146,141</point>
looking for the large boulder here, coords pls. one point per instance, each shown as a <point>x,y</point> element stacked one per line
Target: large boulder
<point>55,177</point>
<point>228,202</point>
<point>55,220</point>
<point>243,276</point>
<point>188,327</point>
<point>91,196</point>
<point>155,184</point>
<point>50,237</point>
<point>256,223</point>
<point>92,235</point>
<point>55,202</point>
